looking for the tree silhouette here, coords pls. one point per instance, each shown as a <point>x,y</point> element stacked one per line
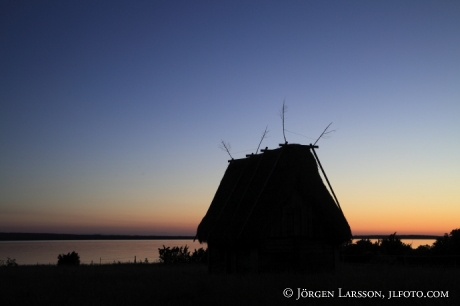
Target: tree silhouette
<point>449,244</point>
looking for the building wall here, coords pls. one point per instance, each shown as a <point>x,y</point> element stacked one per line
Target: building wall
<point>296,218</point>
<point>275,255</point>
<point>297,254</point>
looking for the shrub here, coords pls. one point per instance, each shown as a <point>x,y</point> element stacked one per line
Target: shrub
<point>182,255</point>
<point>71,259</point>
<point>449,244</point>
<point>199,255</point>
<point>8,263</point>
<point>394,246</point>
<point>422,250</point>
<point>174,255</point>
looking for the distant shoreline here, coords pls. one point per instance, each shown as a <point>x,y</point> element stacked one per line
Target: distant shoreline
<point>398,236</point>
<point>48,236</point>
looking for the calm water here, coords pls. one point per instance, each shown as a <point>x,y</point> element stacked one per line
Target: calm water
<point>104,251</point>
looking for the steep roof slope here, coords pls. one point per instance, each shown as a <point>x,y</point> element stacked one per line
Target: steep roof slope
<point>250,194</point>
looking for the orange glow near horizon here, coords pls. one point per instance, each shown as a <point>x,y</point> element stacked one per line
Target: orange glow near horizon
<point>388,225</point>
<point>185,223</point>
<point>385,222</point>
<point>170,216</point>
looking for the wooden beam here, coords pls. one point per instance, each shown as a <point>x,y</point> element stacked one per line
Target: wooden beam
<point>325,176</point>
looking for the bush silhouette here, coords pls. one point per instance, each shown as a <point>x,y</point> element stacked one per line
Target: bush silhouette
<point>174,255</point>
<point>448,244</point>
<point>199,255</point>
<point>9,262</point>
<point>181,255</point>
<point>445,250</point>
<point>71,259</point>
<point>394,246</point>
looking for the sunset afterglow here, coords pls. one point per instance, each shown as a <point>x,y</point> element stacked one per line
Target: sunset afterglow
<point>113,112</point>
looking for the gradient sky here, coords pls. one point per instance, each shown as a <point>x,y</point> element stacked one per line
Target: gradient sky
<point>112,111</point>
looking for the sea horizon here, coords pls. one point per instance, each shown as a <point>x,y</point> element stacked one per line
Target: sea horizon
<point>19,236</point>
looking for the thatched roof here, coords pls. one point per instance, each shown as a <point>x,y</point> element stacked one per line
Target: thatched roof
<point>253,190</point>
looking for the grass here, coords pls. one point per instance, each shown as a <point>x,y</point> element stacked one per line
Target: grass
<point>157,284</point>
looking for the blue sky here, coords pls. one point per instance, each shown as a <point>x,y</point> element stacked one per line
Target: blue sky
<point>113,111</point>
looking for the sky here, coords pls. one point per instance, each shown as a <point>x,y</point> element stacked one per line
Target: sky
<point>112,112</point>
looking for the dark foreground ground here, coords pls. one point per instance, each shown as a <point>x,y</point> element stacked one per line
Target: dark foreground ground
<point>157,284</point>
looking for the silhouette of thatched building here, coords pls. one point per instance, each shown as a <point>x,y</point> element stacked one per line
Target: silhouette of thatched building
<point>272,212</point>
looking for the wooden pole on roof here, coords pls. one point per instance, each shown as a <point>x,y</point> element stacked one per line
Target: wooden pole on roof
<point>226,147</point>
<point>324,133</point>
<point>263,136</point>
<point>282,112</point>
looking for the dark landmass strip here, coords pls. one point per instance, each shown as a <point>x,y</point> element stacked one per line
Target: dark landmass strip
<point>398,236</point>
<point>46,236</point>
